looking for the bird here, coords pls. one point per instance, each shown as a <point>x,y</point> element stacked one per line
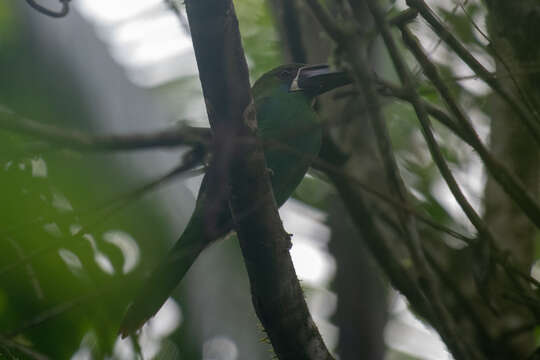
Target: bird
<point>291,134</point>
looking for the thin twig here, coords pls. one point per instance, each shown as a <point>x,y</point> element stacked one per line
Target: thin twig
<point>404,17</point>
<point>336,172</point>
<point>498,56</point>
<point>533,69</point>
<point>461,300</point>
<point>504,177</point>
<point>386,253</point>
<point>333,170</point>
<point>446,321</point>
<point>434,48</point>
<point>51,313</point>
<point>55,14</point>
<point>470,60</point>
<point>31,353</point>
<point>175,8</point>
<point>29,268</point>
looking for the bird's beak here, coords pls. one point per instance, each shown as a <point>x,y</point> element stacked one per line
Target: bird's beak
<point>318,79</point>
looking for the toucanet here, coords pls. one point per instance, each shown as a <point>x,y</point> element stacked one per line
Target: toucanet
<point>291,134</point>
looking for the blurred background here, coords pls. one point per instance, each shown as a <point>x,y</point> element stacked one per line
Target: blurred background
<point>76,241</point>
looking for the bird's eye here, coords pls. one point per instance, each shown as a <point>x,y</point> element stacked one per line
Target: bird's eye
<point>285,74</point>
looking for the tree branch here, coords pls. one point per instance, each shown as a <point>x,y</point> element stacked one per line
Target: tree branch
<point>77,140</point>
<point>276,292</point>
<point>511,185</point>
<point>445,321</point>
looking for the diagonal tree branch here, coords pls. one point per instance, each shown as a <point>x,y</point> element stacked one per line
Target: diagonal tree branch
<point>528,121</point>
<point>238,175</point>
<point>447,324</point>
<point>506,179</point>
<point>425,277</point>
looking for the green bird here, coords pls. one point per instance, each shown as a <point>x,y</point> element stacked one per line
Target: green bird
<point>291,134</point>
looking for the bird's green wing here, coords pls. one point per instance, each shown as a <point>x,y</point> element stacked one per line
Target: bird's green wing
<point>292,139</point>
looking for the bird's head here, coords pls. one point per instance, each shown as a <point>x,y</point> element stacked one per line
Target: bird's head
<point>312,80</point>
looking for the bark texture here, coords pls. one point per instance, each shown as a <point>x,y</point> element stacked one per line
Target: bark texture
<point>238,174</point>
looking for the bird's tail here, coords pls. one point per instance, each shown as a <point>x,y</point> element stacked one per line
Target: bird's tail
<point>165,277</point>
